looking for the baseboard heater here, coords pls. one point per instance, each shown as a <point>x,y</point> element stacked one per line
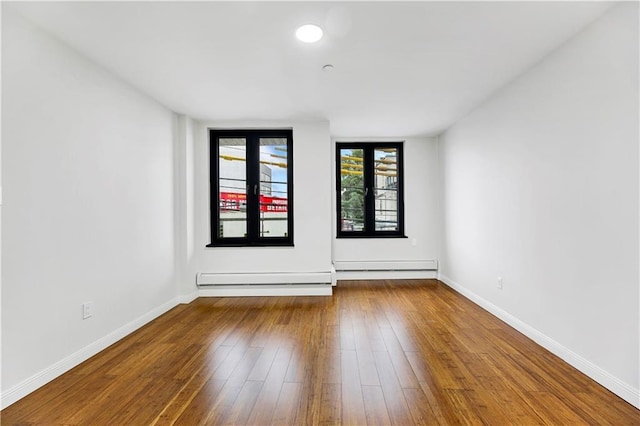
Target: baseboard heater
<point>386,265</point>
<point>265,284</point>
<point>270,278</point>
<point>386,269</point>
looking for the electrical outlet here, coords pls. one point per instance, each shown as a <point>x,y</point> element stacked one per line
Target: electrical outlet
<point>87,310</point>
<point>500,283</point>
<point>414,242</point>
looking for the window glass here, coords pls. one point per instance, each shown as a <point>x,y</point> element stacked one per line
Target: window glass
<point>351,189</point>
<point>274,191</point>
<point>232,160</point>
<point>386,189</point>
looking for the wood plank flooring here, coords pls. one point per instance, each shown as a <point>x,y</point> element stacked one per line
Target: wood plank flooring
<point>396,352</point>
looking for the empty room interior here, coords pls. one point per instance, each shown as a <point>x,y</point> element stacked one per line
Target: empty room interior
<point>320,213</point>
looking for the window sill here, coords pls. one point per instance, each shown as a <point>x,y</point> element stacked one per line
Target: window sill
<point>217,245</point>
<point>370,236</point>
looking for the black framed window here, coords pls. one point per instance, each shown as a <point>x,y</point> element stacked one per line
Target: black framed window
<point>251,173</point>
<point>369,185</point>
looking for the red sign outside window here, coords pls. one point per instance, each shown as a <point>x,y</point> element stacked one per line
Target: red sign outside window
<point>231,201</point>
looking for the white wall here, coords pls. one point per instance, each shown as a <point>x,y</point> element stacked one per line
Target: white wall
<point>184,180</point>
<point>0,215</point>
<point>421,196</point>
<point>87,169</point>
<point>312,183</point>
<point>540,186</point>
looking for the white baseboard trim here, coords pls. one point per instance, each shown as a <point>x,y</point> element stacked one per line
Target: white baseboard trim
<point>38,380</point>
<point>266,290</point>
<point>615,385</point>
<point>385,275</point>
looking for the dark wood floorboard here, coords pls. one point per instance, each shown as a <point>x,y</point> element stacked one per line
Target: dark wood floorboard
<point>397,352</point>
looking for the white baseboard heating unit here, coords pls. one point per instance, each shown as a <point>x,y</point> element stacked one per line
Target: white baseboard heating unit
<point>386,269</point>
<point>265,284</point>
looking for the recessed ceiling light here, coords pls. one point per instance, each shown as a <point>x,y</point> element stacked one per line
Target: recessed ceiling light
<point>309,33</point>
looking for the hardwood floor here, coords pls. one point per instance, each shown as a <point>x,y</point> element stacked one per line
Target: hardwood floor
<point>377,352</point>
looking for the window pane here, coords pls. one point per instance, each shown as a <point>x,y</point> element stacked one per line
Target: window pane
<point>351,190</point>
<point>232,160</point>
<point>386,189</point>
<point>274,197</point>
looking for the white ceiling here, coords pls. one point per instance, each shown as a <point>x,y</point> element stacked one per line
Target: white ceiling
<point>401,69</point>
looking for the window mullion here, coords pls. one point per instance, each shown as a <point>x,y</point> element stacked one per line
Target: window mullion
<point>369,199</point>
<point>253,179</point>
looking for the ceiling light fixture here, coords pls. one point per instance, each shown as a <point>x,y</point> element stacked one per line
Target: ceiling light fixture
<point>309,33</point>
